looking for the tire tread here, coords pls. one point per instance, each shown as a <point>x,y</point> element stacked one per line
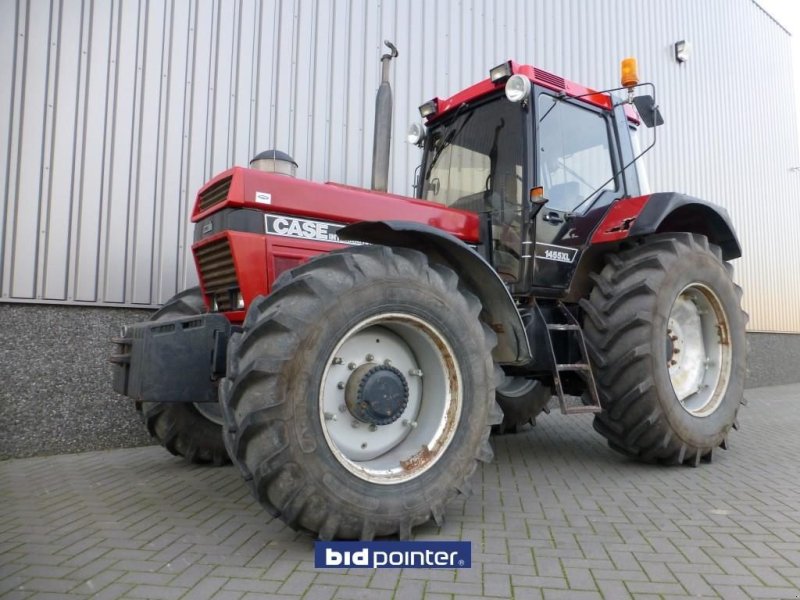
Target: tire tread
<point>618,334</point>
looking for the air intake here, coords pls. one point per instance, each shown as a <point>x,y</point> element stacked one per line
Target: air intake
<point>548,78</point>
<point>213,195</point>
<point>274,161</point>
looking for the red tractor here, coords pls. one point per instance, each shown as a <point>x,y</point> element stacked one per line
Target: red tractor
<point>351,350</point>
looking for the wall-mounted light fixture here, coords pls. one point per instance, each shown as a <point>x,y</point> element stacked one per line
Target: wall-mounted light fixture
<point>683,50</point>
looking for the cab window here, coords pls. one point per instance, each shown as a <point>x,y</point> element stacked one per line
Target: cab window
<point>574,154</point>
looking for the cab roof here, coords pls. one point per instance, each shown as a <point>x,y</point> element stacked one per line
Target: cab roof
<point>537,76</point>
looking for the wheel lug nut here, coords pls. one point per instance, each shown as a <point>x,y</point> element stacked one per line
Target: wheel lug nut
<point>351,366</point>
<point>354,424</point>
<point>340,385</point>
<point>415,372</point>
<point>373,427</point>
<point>330,417</point>
<point>342,408</point>
<point>387,362</point>
<point>337,361</point>
<point>370,357</point>
<point>411,424</point>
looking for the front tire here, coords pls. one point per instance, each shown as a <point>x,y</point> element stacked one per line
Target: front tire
<point>521,400</point>
<point>359,393</point>
<point>666,335</point>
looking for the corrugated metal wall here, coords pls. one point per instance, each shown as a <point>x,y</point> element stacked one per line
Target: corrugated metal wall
<point>116,112</point>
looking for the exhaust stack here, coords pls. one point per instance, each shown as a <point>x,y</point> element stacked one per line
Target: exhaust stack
<point>383,125</point>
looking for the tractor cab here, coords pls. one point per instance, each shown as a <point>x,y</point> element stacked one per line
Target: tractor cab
<point>539,158</point>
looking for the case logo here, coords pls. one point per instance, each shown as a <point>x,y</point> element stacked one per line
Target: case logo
<point>306,229</point>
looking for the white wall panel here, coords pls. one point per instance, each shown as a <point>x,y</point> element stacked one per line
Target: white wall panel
<point>114,113</point>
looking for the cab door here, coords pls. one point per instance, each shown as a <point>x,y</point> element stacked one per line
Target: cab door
<point>576,162</point>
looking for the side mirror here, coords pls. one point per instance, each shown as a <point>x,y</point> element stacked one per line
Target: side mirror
<point>648,111</point>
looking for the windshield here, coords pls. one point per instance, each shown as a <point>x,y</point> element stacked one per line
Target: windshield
<point>474,161</point>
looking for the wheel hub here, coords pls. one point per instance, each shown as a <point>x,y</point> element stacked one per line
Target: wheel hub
<point>377,395</point>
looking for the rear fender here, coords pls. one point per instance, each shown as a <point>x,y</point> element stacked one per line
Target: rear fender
<point>500,311</point>
<point>668,212</point>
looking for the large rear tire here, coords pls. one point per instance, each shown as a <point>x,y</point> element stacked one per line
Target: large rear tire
<point>359,395</point>
<point>666,335</point>
<point>192,431</point>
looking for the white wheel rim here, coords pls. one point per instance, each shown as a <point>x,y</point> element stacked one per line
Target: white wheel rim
<point>698,350</point>
<point>419,436</point>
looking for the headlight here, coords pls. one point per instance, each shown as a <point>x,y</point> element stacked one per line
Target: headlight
<point>416,134</point>
<point>518,87</point>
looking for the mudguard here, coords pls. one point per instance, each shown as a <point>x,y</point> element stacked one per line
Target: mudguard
<point>669,212</point>
<point>500,311</point>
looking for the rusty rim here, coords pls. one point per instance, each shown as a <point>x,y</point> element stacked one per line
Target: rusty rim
<point>418,438</point>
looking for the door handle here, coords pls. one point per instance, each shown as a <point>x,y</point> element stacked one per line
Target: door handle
<point>553,217</point>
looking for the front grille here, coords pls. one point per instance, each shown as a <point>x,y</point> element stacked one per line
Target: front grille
<point>215,263</point>
<point>215,194</point>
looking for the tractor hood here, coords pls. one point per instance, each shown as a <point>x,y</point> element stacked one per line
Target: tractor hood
<point>275,193</point>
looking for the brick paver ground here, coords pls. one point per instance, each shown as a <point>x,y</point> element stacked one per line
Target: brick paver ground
<point>557,515</point>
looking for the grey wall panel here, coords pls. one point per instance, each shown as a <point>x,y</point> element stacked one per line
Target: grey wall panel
<point>116,112</point>
<point>27,144</point>
<point>91,135</point>
<point>9,42</point>
<point>58,175</point>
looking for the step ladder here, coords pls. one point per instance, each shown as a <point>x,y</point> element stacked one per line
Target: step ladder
<point>561,321</point>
